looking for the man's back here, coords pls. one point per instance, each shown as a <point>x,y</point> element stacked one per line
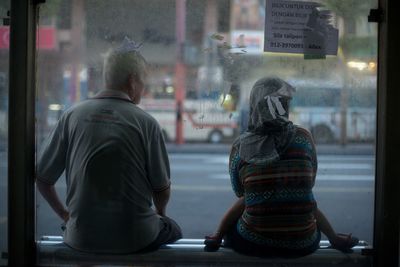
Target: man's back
<point>106,146</point>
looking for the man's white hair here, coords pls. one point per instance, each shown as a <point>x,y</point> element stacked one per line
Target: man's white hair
<point>119,65</point>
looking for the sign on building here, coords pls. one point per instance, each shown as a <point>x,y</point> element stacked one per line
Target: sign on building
<point>45,38</point>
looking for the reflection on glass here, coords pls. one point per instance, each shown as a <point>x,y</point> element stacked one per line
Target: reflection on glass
<point>222,56</point>
<point>4,59</point>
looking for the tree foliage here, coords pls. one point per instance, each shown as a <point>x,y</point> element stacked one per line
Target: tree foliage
<point>49,8</point>
<point>349,9</point>
<point>4,7</point>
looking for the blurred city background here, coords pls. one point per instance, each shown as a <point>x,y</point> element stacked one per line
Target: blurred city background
<point>204,57</point>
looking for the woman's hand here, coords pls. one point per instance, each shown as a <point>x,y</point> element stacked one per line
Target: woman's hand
<point>213,242</point>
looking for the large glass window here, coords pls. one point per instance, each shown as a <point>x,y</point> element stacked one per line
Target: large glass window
<point>4,57</point>
<point>208,62</point>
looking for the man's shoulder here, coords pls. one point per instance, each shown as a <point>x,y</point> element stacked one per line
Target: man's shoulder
<point>129,111</point>
<point>77,106</point>
<point>143,115</point>
<point>133,112</point>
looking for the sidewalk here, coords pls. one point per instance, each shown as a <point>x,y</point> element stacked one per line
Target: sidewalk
<point>323,149</point>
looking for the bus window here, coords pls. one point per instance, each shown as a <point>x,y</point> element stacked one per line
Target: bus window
<point>203,59</point>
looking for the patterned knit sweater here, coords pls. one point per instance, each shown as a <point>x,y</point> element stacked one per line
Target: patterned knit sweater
<point>278,197</point>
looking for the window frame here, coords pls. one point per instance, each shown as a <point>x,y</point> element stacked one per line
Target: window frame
<point>21,157</point>
<point>21,134</point>
<point>386,217</point>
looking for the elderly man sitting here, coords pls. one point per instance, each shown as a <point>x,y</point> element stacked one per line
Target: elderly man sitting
<point>115,163</point>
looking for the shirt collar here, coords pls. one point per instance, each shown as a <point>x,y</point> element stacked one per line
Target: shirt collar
<point>107,93</point>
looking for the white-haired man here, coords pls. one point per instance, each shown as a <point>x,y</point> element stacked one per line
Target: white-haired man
<point>115,163</point>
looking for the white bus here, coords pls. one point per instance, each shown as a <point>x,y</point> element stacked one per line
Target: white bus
<point>203,120</point>
<point>319,110</point>
<point>317,106</point>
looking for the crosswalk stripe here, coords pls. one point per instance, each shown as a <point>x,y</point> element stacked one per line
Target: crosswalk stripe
<point>323,162</point>
<point>345,166</point>
<point>205,188</point>
<point>225,157</point>
<point>330,167</point>
<point>325,177</point>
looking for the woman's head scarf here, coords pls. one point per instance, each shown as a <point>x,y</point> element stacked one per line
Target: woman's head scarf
<point>269,130</point>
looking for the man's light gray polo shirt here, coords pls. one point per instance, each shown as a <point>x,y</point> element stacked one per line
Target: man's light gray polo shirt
<point>114,158</point>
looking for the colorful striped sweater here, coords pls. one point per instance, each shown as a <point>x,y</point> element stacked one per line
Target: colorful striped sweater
<point>278,197</point>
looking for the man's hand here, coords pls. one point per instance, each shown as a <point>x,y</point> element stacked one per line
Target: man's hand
<point>65,216</point>
<point>49,193</point>
<point>160,200</point>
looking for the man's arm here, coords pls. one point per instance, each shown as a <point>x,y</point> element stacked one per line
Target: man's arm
<point>50,195</point>
<point>160,199</point>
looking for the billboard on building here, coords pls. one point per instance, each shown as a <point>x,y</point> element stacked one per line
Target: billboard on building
<point>45,38</point>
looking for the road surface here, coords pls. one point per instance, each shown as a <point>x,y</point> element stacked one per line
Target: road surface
<point>201,193</point>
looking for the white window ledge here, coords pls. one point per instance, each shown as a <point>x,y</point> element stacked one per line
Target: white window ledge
<point>52,251</point>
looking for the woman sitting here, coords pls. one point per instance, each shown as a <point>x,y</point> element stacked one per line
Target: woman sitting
<point>272,168</point>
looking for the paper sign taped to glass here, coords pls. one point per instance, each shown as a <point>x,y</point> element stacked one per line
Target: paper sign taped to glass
<point>299,27</point>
